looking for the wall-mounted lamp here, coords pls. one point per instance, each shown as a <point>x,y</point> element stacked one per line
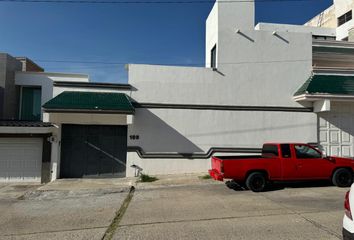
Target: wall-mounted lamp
<point>52,139</point>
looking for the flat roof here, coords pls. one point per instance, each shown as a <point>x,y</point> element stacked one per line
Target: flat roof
<point>122,86</point>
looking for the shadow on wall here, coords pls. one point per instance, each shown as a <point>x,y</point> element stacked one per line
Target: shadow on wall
<point>251,130</point>
<point>342,121</point>
<point>155,135</point>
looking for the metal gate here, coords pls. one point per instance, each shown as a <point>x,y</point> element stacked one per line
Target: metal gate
<point>336,132</point>
<point>93,151</point>
<point>20,159</point>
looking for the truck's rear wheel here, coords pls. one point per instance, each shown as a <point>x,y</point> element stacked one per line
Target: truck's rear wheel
<point>342,177</point>
<point>256,182</point>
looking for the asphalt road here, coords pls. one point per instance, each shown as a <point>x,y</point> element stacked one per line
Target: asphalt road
<point>214,211</point>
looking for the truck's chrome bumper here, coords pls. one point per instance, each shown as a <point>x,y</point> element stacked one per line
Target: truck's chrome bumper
<point>216,175</point>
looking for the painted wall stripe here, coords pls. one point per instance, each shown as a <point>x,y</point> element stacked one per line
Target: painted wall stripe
<point>221,107</point>
<point>211,151</point>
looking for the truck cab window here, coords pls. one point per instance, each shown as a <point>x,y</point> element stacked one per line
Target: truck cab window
<point>270,151</point>
<point>285,150</point>
<point>303,151</point>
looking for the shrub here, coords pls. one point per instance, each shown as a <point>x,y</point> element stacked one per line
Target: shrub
<point>147,178</point>
<point>206,176</point>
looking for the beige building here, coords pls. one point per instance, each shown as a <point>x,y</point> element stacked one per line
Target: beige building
<point>338,16</point>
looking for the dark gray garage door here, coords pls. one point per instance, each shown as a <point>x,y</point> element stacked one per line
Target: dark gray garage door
<point>93,151</point>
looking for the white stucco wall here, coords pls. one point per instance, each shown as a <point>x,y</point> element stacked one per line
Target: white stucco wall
<point>255,68</point>
<point>318,31</point>
<point>342,7</point>
<point>233,17</point>
<point>88,118</point>
<point>343,30</point>
<point>211,38</point>
<point>279,67</point>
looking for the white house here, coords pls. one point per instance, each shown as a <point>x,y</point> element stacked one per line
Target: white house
<point>263,83</point>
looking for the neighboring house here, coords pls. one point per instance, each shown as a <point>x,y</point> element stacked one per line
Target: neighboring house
<point>30,147</point>
<point>263,83</point>
<point>339,16</point>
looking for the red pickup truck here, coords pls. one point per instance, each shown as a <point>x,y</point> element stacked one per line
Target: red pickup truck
<point>283,162</point>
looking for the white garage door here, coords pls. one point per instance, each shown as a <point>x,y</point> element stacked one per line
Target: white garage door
<point>336,132</point>
<point>20,159</point>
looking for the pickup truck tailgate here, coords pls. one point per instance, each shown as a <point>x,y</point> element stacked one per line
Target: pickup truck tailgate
<point>217,169</point>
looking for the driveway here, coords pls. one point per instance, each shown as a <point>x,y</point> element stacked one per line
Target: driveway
<point>214,211</point>
<point>65,209</point>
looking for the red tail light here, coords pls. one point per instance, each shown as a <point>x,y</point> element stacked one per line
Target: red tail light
<point>347,206</point>
<point>222,167</point>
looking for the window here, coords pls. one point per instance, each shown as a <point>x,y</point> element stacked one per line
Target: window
<point>270,150</point>
<point>285,151</point>
<point>345,18</point>
<point>323,37</point>
<point>303,151</point>
<point>213,57</point>
<point>30,104</point>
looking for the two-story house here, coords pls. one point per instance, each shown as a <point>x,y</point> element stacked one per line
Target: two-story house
<point>261,83</point>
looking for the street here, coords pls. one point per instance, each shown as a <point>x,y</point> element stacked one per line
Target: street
<point>185,208</point>
<point>214,211</point>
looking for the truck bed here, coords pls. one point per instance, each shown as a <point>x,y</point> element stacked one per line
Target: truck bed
<point>225,167</point>
<point>238,157</point>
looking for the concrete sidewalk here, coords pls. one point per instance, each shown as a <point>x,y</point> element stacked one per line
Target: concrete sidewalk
<point>88,184</point>
<point>176,180</point>
<point>11,191</point>
<point>64,209</point>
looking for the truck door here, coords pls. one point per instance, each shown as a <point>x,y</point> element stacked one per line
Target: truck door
<point>289,168</point>
<point>310,163</point>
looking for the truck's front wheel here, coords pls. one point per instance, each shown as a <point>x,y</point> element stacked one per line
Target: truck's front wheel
<point>256,182</point>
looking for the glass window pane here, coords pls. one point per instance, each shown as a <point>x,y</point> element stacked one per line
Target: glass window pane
<point>31,104</point>
<point>303,151</point>
<point>213,57</point>
<point>270,151</point>
<point>285,150</point>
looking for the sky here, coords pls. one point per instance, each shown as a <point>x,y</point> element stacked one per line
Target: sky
<point>98,39</point>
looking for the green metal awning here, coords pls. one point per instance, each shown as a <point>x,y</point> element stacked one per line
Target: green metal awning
<point>328,84</point>
<point>91,102</point>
